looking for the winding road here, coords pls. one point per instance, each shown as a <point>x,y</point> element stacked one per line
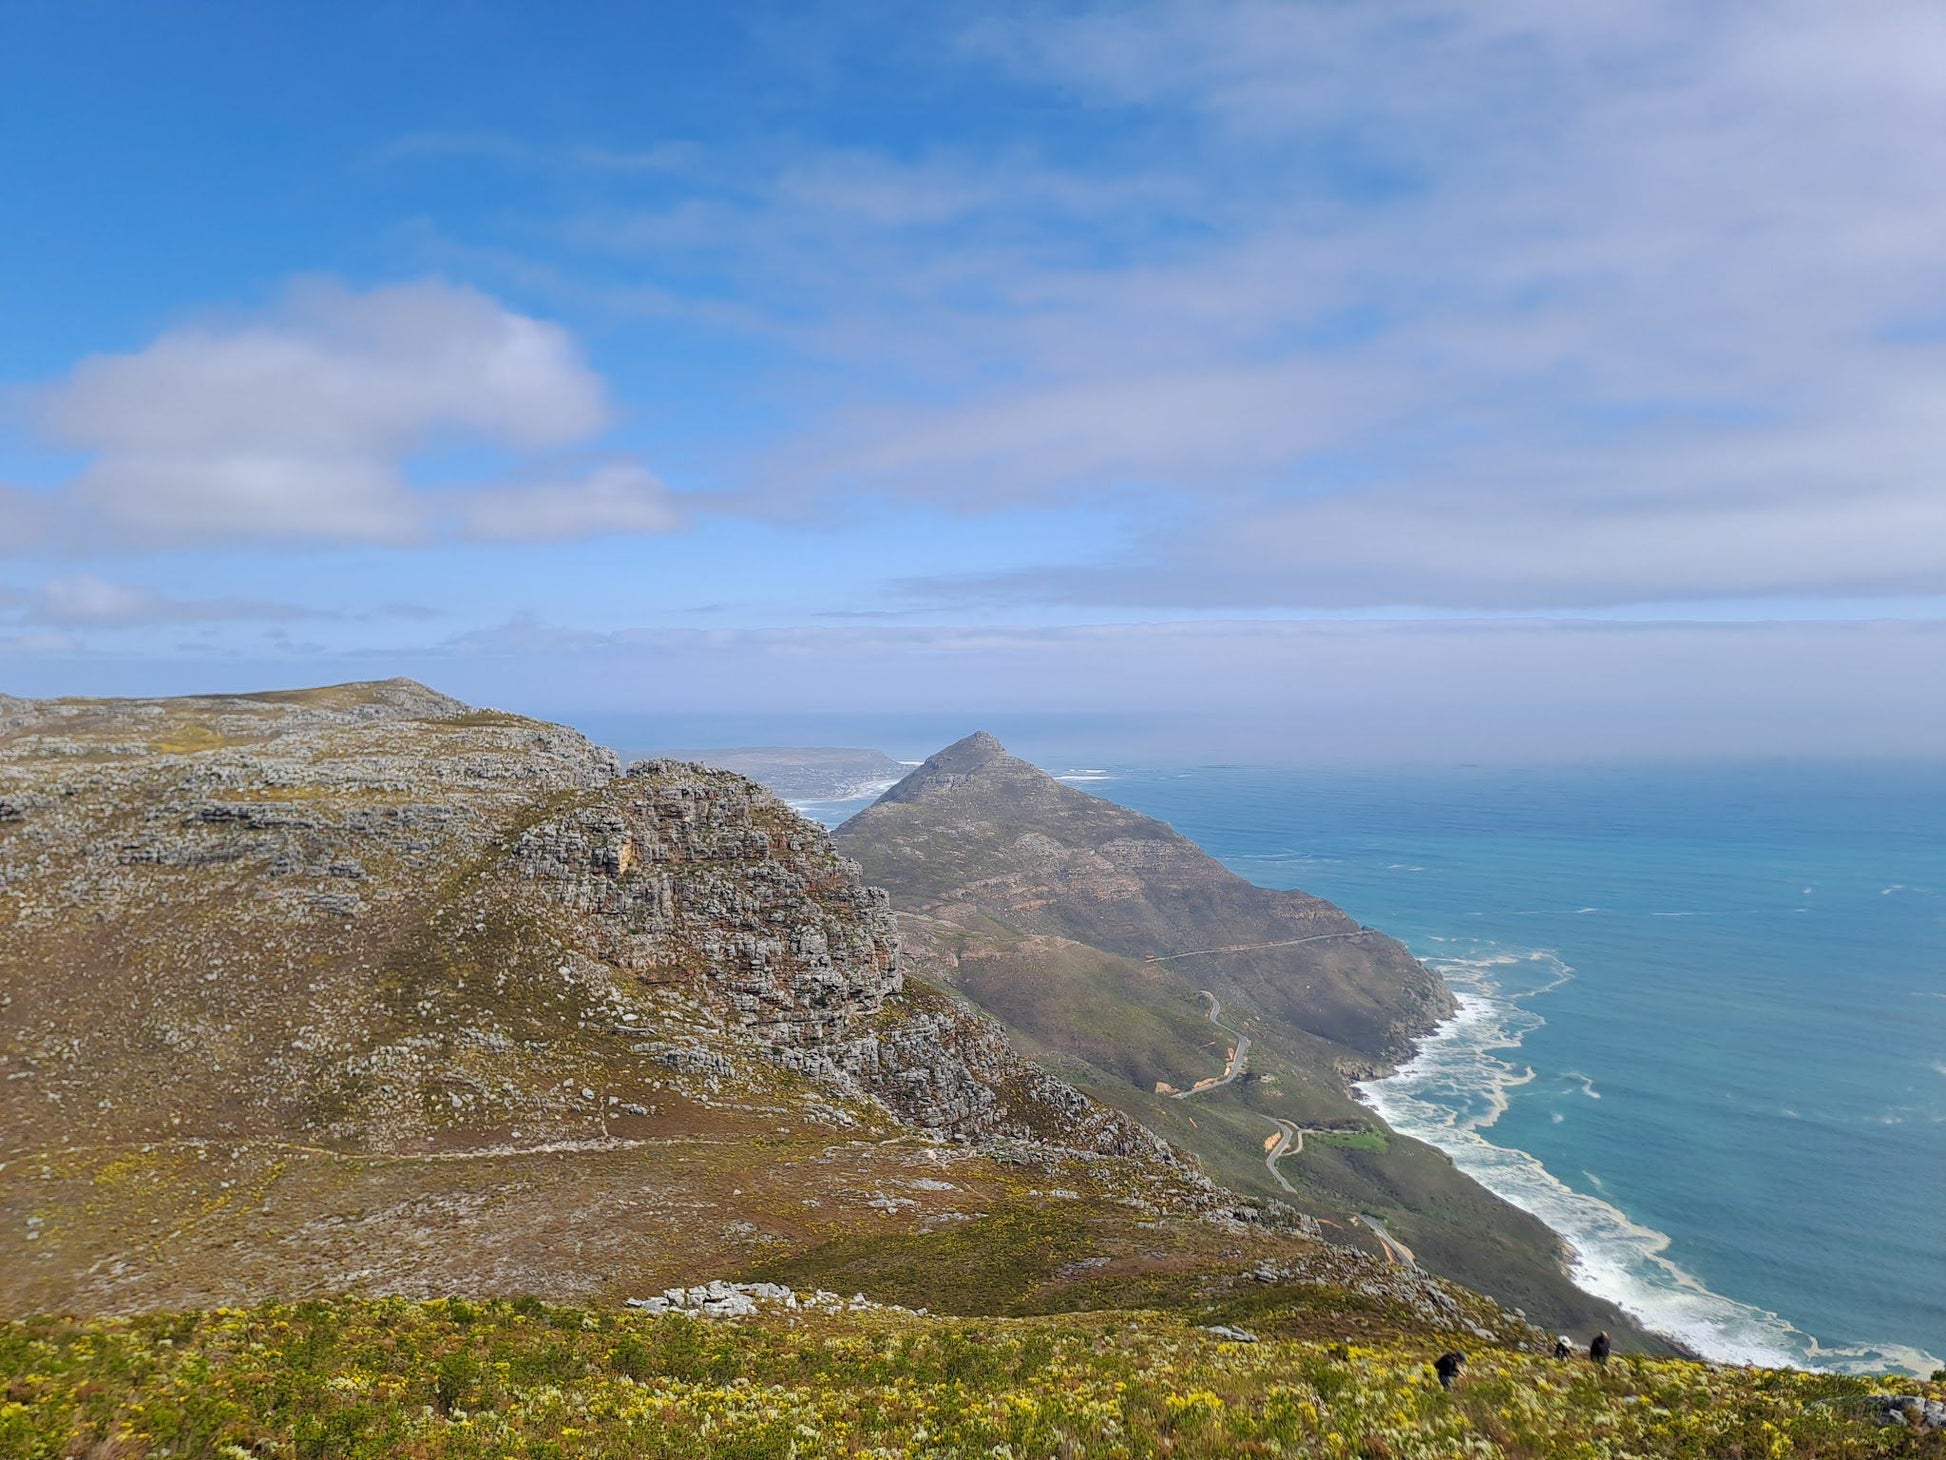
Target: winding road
<point>1239,1052</point>
<point>1289,1140</point>
<point>1277,1147</point>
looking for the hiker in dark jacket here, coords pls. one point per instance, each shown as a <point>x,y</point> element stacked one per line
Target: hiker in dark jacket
<point>1562,1348</point>
<point>1447,1366</point>
<point>1598,1350</point>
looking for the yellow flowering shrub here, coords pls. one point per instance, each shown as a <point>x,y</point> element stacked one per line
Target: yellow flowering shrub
<point>359,1378</point>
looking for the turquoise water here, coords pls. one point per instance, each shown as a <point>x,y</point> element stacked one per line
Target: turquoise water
<point>1704,1028</point>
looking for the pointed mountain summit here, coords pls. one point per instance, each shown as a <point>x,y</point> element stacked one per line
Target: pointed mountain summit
<point>950,767</point>
<point>976,769</point>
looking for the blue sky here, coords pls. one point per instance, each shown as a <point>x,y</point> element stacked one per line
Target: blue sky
<point>1576,369</point>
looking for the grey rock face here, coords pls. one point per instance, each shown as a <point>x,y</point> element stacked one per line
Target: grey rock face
<point>720,1299</point>
<point>699,880</point>
<point>700,877</point>
<point>1913,1411</point>
<point>688,1059</point>
<point>1231,1335</point>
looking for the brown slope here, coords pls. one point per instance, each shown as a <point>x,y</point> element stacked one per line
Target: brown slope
<point>976,832</point>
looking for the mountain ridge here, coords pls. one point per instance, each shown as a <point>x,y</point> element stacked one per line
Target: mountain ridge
<point>1122,957</point>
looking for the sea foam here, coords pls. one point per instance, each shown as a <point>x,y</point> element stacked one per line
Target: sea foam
<point>1460,1084</point>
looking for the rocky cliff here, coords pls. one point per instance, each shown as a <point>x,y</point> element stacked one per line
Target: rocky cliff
<point>695,880</point>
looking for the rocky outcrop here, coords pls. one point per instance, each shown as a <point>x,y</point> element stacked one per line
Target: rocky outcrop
<point>700,877</point>
<point>944,1068</point>
<point>722,1299</point>
<point>1908,1411</point>
<point>697,879</point>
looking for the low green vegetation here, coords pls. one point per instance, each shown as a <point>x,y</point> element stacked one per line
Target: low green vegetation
<point>1351,1140</point>
<point>992,1264</point>
<point>350,1378</point>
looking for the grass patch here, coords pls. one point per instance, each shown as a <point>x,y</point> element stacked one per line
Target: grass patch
<point>993,1264</point>
<point>188,738</point>
<point>1350,1140</point>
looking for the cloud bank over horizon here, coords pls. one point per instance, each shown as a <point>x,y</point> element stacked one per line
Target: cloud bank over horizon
<point>999,336</point>
<point>1432,691</point>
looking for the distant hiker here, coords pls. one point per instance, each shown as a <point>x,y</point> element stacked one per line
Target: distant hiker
<point>1562,1348</point>
<point>1598,1350</point>
<point>1447,1366</point>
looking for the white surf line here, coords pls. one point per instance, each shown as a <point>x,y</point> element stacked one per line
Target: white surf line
<point>1609,1254</point>
<point>1239,1052</point>
<point>1253,947</point>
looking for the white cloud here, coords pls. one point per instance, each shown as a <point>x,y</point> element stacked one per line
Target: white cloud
<point>1618,302</point>
<point>301,425</point>
<point>615,498</point>
<point>85,600</point>
<point>28,520</point>
<point>41,643</point>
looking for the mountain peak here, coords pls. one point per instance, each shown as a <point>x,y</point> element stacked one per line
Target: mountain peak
<point>976,749</point>
<point>955,765</point>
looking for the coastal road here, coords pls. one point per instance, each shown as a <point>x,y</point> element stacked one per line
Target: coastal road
<point>1289,1139</point>
<point>1253,947</point>
<point>1239,1052</point>
<point>1395,1250</point>
<point>1279,1146</point>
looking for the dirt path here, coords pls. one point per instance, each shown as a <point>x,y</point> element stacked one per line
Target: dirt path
<point>1289,1140</point>
<point>1254,947</point>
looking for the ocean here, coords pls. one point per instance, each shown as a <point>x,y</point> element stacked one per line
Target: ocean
<point>1703,1027</point>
